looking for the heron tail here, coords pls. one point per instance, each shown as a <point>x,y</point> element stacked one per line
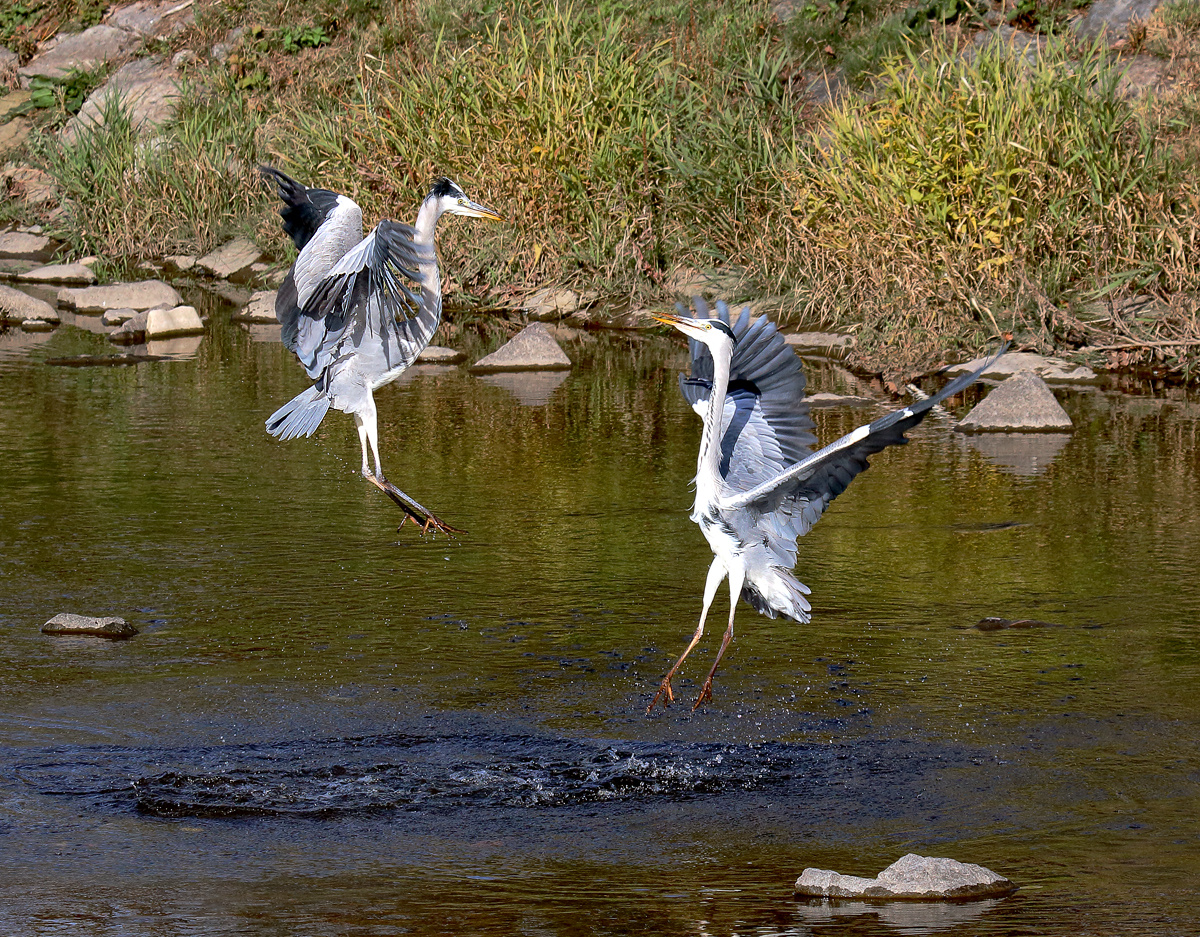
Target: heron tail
<point>781,595</point>
<point>300,416</point>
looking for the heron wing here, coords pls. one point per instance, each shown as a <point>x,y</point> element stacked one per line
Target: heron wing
<point>304,209</point>
<point>766,425</point>
<point>802,491</point>
<point>364,306</point>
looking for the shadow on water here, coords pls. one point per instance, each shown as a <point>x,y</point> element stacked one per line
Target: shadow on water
<point>327,727</point>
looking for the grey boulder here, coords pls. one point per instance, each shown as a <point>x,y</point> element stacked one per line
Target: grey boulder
<point>260,309</point>
<point>910,878</point>
<point>532,349</point>
<point>831,344</point>
<point>96,300</point>
<point>231,261</point>
<point>18,245</point>
<point>1110,19</point>
<point>147,89</point>
<point>1022,404</point>
<point>67,623</point>
<point>1052,370</point>
<point>440,354</point>
<point>16,306</point>
<point>85,51</point>
<point>839,400</point>
<point>60,274</point>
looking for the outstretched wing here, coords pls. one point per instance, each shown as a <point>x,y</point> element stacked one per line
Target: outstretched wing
<point>766,426</point>
<point>364,306</point>
<point>803,491</point>
<point>304,209</point>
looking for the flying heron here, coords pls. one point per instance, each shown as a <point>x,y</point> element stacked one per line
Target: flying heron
<point>347,313</point>
<point>758,485</point>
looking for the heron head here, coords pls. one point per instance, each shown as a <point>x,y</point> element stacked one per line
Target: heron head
<point>450,197</point>
<point>708,331</point>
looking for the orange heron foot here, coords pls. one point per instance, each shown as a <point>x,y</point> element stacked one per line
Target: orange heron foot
<point>705,694</point>
<point>664,693</point>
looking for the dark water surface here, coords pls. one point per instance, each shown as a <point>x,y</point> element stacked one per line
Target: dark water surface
<point>327,727</point>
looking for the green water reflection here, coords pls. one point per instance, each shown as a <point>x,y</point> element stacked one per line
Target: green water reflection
<point>273,590</point>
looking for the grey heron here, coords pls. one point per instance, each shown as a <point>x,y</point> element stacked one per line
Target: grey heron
<point>758,485</point>
<point>347,313</point>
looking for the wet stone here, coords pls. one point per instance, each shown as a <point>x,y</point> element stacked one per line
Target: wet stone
<point>1051,370</point>
<point>178,263</point>
<point>1021,404</point>
<point>95,300</point>
<point>132,331</point>
<point>839,400</point>
<point>910,878</point>
<point>440,354</point>
<point>831,344</point>
<point>179,320</point>
<point>532,349</point>
<point>115,317</point>
<point>16,306</point>
<point>65,274</point>
<point>67,623</point>
<point>999,624</point>
<point>260,309</point>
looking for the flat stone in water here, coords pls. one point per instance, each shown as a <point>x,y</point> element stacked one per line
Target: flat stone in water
<point>999,624</point>
<point>65,274</point>
<point>1023,404</point>
<point>839,400</point>
<point>821,343</point>
<point>439,354</point>
<point>1051,370</point>
<point>532,349</point>
<point>16,245</point>
<point>143,295</point>
<point>16,306</point>
<point>260,309</point>
<point>68,623</point>
<point>910,878</point>
<point>231,261</point>
<point>179,320</point>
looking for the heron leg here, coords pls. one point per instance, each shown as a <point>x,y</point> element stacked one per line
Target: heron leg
<point>716,572</point>
<point>368,435</point>
<point>736,577</point>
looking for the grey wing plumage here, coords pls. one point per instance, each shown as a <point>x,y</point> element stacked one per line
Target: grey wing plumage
<point>805,489</point>
<point>766,425</point>
<point>364,306</point>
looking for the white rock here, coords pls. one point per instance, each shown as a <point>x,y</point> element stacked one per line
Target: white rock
<point>261,309</point>
<point>67,623</point>
<point>181,320</point>
<point>532,349</point>
<point>839,400</point>
<point>1022,404</point>
<point>911,877</point>
<point>1051,370</point>
<point>94,300</point>
<point>38,325</point>
<point>66,274</point>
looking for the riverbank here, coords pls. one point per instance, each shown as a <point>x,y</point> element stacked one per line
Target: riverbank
<point>986,181</point>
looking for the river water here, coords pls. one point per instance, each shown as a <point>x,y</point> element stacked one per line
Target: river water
<point>327,727</point>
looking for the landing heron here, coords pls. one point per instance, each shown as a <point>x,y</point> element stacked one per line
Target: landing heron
<point>347,313</point>
<point>758,486</point>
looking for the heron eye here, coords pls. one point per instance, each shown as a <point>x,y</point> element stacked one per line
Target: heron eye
<point>708,328</point>
<point>461,200</point>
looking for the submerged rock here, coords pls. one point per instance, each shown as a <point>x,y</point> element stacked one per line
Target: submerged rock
<point>1021,404</point>
<point>532,349</point>
<point>999,624</point>
<point>910,878</point>
<point>67,623</point>
<point>96,300</point>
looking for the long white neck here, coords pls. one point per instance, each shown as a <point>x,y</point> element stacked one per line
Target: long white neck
<point>431,278</point>
<point>708,463</point>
